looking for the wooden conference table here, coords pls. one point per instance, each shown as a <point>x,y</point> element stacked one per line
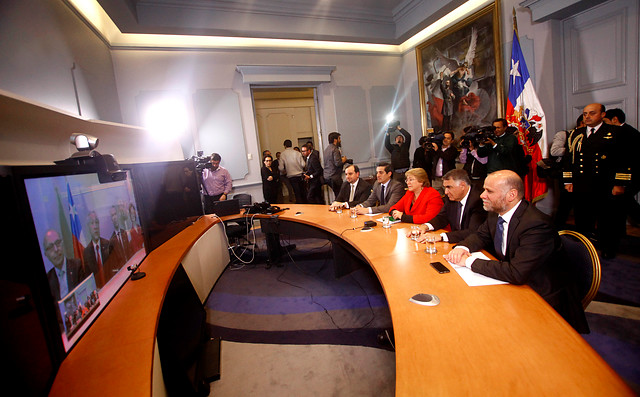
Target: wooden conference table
<point>490,340</point>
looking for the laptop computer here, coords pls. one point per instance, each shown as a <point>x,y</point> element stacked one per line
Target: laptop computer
<point>226,207</point>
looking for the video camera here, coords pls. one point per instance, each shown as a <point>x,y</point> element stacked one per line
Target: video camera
<point>432,137</point>
<point>477,135</point>
<point>201,161</point>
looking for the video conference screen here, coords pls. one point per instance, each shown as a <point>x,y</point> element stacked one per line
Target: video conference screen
<point>89,233</point>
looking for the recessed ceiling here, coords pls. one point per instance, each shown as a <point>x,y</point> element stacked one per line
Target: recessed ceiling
<point>362,21</point>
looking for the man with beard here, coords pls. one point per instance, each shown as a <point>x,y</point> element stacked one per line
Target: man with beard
<point>333,163</point>
<point>526,247</point>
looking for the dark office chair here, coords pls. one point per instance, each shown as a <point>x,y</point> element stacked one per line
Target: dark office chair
<point>237,229</point>
<point>584,263</point>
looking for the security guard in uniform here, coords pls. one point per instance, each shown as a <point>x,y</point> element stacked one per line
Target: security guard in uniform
<point>596,170</point>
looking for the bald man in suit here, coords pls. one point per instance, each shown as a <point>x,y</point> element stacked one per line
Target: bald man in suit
<point>66,273</point>
<point>526,247</point>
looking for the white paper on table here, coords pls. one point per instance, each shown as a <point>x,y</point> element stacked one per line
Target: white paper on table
<point>374,214</point>
<point>474,279</point>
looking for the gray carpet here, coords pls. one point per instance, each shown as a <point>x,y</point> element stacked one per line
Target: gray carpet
<point>304,370</point>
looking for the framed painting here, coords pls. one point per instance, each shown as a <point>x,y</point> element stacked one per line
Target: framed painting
<point>460,74</point>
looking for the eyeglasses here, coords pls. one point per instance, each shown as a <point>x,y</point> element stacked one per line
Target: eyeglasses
<point>411,180</point>
<point>57,244</point>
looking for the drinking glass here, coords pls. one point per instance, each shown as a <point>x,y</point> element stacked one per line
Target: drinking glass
<point>431,245</point>
<point>354,212</point>
<point>415,232</point>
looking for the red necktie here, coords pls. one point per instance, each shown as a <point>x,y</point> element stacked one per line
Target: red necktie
<point>99,262</point>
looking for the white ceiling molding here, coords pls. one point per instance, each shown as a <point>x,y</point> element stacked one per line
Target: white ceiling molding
<point>285,74</point>
<point>543,10</point>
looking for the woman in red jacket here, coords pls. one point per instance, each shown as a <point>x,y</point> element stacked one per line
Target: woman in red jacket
<point>421,202</point>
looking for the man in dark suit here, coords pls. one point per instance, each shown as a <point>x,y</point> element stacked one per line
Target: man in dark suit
<point>443,160</point>
<point>312,175</point>
<point>353,191</point>
<point>500,152</point>
<point>97,252</point>
<point>597,171</point>
<point>617,117</point>
<point>66,273</point>
<point>119,241</point>
<point>527,248</point>
<point>386,192</point>
<point>462,211</point>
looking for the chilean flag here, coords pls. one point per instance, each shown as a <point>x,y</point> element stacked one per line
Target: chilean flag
<point>525,113</point>
<point>76,227</point>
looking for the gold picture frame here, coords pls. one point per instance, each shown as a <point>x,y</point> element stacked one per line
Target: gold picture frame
<point>460,74</point>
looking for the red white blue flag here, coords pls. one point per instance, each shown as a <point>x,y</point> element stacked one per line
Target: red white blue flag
<point>76,227</point>
<point>525,113</point>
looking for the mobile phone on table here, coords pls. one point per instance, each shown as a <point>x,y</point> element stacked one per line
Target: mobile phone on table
<point>440,268</point>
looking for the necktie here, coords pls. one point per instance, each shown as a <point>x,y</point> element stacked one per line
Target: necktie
<point>458,223</point>
<point>591,131</point>
<point>121,241</point>
<point>99,262</point>
<point>497,241</point>
<point>353,190</point>
<point>382,200</point>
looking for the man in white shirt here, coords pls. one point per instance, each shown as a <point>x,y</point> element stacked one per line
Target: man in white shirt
<point>292,163</point>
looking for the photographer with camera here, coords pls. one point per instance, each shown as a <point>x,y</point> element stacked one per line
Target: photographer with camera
<point>500,148</point>
<point>216,182</point>
<point>444,159</point>
<point>399,151</point>
<point>423,155</point>
<point>474,164</point>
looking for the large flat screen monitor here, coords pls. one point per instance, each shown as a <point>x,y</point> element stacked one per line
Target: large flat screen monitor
<point>88,233</point>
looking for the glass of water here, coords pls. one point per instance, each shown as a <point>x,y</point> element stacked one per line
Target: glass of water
<point>386,222</point>
<point>354,212</point>
<point>415,232</point>
<point>431,244</point>
<point>339,210</point>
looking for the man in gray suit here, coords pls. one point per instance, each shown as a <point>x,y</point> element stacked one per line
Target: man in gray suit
<point>386,192</point>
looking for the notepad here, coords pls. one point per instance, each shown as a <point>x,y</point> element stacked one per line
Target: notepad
<point>474,279</point>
